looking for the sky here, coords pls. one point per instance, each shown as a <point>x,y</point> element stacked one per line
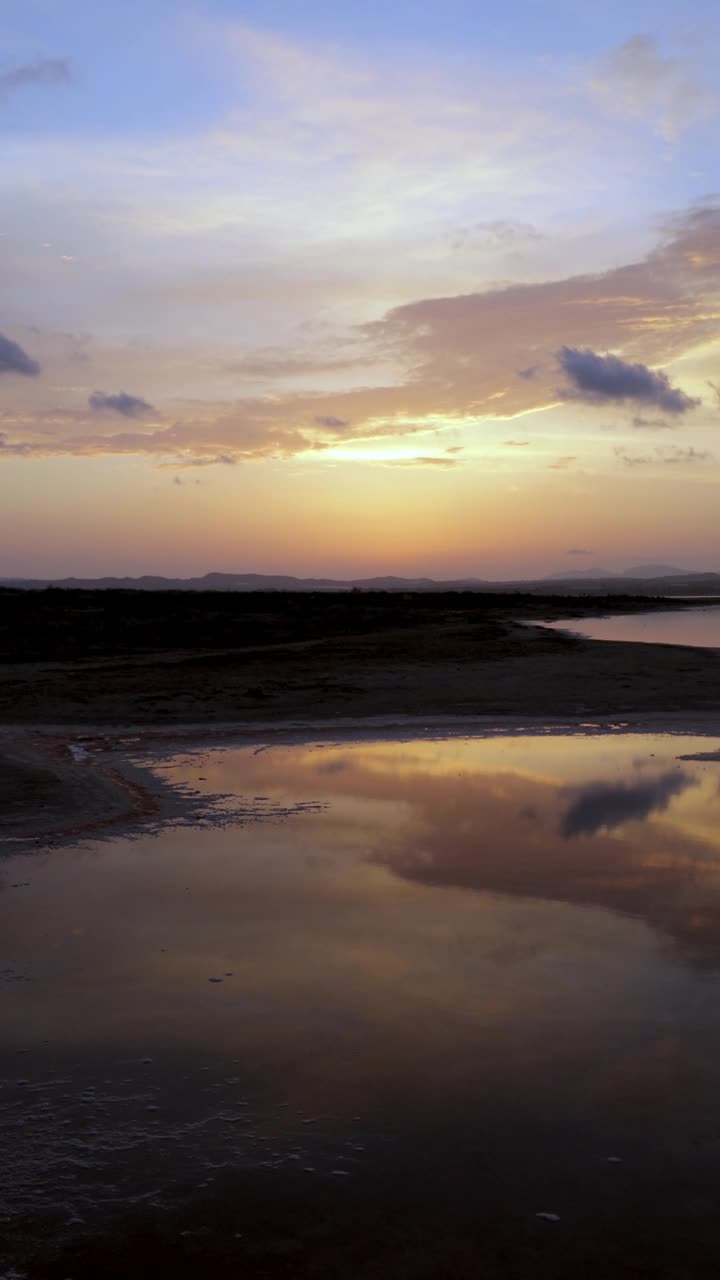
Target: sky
<point>355,290</point>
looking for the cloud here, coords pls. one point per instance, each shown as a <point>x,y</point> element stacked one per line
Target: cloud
<point>687,455</point>
<point>44,71</point>
<point>454,356</point>
<point>634,459</point>
<point>579,551</point>
<point>636,81</point>
<point>14,449</point>
<point>516,444</point>
<point>529,372</point>
<point>422,461</point>
<point>670,456</point>
<point>657,872</point>
<point>466,348</point>
<point>274,363</point>
<point>14,360</point>
<point>651,424</point>
<point>128,406</point>
<point>602,806</point>
<point>599,379</point>
<point>497,233</point>
<point>330,422</point>
<point>190,463</point>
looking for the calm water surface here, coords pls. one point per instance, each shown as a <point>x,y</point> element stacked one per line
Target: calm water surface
<point>439,988</point>
<point>699,627</point>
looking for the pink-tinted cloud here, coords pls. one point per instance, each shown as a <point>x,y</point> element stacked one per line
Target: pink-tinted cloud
<point>460,357</point>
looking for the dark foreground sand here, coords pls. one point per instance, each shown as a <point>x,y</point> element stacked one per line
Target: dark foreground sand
<point>453,665</point>
<point>64,766</point>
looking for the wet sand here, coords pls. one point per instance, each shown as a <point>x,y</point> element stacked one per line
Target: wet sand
<point>59,784</point>
<point>53,788</point>
<point>69,729</point>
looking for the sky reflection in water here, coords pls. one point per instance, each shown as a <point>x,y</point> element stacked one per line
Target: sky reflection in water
<point>698,627</point>
<point>471,941</point>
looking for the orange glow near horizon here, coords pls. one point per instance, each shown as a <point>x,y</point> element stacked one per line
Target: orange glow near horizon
<point>343,520</point>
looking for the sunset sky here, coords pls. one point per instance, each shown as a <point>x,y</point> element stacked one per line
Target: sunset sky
<point>359,289</point>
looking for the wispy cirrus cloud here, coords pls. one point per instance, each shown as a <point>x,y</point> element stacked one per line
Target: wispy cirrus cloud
<point>637,81</point>
<point>676,456</point>
<point>423,460</point>
<point>562,464</point>
<point>494,234</point>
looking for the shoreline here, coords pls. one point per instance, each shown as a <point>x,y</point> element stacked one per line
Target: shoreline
<point>94,785</point>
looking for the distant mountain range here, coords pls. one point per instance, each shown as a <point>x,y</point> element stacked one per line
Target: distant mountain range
<point>648,579</point>
<point>636,571</point>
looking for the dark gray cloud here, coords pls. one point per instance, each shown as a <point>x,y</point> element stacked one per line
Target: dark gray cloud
<point>14,360</point>
<point>332,423</point>
<point>598,379</point>
<point>128,406</point>
<point>528,373</point>
<point>216,460</point>
<point>44,71</point>
<point>579,551</point>
<point>670,457</point>
<point>634,459</point>
<point>601,806</point>
<point>651,424</point>
<point>17,449</point>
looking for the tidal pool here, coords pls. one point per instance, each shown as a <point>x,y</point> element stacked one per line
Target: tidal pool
<point>695,627</point>
<point>428,1008</point>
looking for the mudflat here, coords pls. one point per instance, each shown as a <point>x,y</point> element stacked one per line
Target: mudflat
<point>166,660</point>
<point>139,658</point>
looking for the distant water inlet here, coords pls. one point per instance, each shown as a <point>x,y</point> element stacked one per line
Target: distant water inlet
<point>697,627</point>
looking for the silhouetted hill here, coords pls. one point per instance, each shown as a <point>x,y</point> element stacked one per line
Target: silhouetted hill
<point>641,571</point>
<point>656,571</point>
<point>593,582</point>
<point>571,575</point>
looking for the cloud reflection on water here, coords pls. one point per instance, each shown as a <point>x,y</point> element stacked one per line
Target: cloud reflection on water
<point>606,805</point>
<point>496,830</point>
<point>536,819</point>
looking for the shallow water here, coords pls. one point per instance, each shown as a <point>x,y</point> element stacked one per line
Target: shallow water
<point>465,983</point>
<point>697,627</point>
